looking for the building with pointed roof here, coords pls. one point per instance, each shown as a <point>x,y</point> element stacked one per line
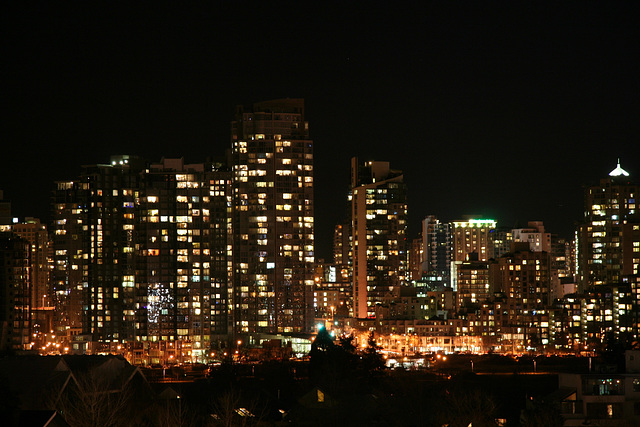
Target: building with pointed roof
<point>609,235</point>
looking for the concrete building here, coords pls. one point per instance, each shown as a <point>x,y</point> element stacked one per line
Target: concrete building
<point>273,203</point>
<point>502,238</point>
<point>379,223</point>
<point>437,243</point>
<point>609,235</point>
<point>474,288</point>
<point>140,252</point>
<point>332,291</point>
<point>535,235</point>
<point>525,276</point>
<point>33,231</point>
<point>15,309</point>
<point>415,259</point>
<point>471,236</point>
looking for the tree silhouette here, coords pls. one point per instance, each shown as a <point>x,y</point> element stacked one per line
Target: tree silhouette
<point>92,401</point>
<point>372,357</point>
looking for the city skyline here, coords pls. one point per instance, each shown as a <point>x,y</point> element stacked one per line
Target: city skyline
<point>500,112</point>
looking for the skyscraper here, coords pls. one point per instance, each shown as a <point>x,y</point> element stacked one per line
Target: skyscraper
<point>609,236</point>
<point>33,231</point>
<point>379,223</point>
<point>437,242</point>
<point>15,324</point>
<point>182,235</point>
<point>273,244</point>
<point>141,251</point>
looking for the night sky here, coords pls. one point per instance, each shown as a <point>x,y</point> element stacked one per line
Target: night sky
<point>498,109</point>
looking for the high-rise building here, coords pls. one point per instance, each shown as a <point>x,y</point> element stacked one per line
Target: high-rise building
<point>609,236</point>
<point>341,245</point>
<point>517,317</point>
<point>473,281</point>
<point>525,276</point>
<point>502,238</point>
<point>562,267</point>
<point>273,245</point>
<point>534,234</point>
<point>471,236</point>
<point>379,223</point>
<point>15,316</point>
<point>415,259</point>
<point>141,251</point>
<point>33,231</point>
<point>183,235</point>
<point>438,247</point>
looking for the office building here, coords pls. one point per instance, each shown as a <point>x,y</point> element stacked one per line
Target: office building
<point>273,245</point>
<point>378,224</point>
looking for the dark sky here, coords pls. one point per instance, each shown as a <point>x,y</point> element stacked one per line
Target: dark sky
<point>500,109</point>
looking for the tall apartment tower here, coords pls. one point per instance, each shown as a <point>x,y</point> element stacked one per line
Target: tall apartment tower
<point>471,237</point>
<point>103,199</point>
<point>341,245</point>
<point>15,317</point>
<point>415,257</point>
<point>473,279</point>
<point>70,207</point>
<point>609,236</point>
<point>379,223</point>
<point>181,268</point>
<point>273,245</point>
<point>526,276</point>
<point>438,246</point>
<point>33,231</point>
<point>141,251</point>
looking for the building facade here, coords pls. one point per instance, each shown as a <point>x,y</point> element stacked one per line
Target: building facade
<point>140,252</point>
<point>438,248</point>
<point>33,231</point>
<point>379,223</point>
<point>15,309</point>
<point>273,244</point>
<point>609,236</point>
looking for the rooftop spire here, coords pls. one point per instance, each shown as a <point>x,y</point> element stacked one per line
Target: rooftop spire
<point>618,171</point>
